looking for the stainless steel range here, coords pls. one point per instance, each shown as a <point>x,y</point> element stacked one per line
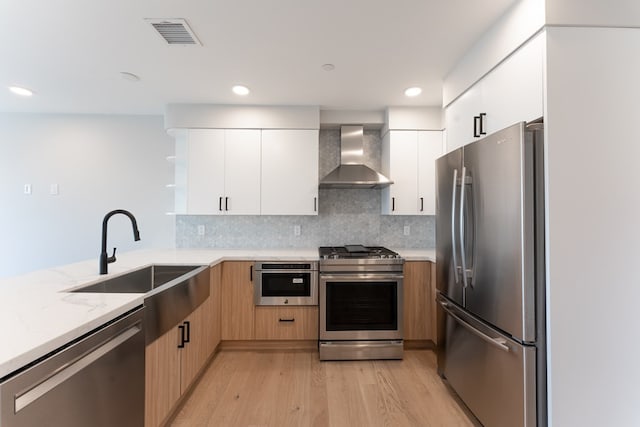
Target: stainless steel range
<point>360,303</point>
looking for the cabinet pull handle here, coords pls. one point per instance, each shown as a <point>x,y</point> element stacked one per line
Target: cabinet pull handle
<point>251,273</point>
<point>187,325</point>
<point>421,204</point>
<point>476,119</point>
<point>181,345</point>
<point>293,319</point>
<point>393,204</point>
<point>482,119</point>
<point>226,203</point>
<point>220,203</point>
<point>315,204</point>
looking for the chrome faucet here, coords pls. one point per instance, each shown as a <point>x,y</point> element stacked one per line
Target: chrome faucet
<point>104,258</point>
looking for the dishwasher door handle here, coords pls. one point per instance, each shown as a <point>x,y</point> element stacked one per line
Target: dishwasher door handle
<point>42,387</point>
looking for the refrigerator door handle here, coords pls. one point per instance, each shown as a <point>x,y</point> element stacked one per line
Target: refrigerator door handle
<point>453,226</point>
<point>463,250</point>
<point>499,343</point>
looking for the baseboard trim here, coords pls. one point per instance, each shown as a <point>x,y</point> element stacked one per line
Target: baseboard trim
<point>270,345</point>
<point>419,345</point>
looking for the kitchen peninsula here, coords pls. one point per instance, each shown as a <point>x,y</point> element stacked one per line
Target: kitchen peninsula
<point>44,316</point>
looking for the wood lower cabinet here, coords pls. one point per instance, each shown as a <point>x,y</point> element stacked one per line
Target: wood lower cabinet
<point>214,319</point>
<point>162,378</point>
<point>286,323</point>
<point>170,369</point>
<point>229,314</point>
<point>196,352</point>
<point>419,301</point>
<point>237,301</point>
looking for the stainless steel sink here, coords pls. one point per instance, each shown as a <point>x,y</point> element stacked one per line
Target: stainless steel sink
<point>172,292</point>
<point>139,281</point>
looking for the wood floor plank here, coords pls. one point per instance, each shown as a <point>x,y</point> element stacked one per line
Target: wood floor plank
<point>274,389</point>
<point>318,394</point>
<point>344,399</point>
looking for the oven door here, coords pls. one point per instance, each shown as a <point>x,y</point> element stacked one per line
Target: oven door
<point>361,306</point>
<point>286,287</point>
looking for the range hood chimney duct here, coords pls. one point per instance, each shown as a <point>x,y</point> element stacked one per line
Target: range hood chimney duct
<point>352,173</point>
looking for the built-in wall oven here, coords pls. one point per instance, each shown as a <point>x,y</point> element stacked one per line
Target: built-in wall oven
<point>361,290</point>
<point>285,283</point>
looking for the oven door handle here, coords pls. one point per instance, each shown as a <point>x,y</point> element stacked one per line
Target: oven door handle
<point>361,276</point>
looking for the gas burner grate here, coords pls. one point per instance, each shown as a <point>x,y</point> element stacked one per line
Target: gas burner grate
<point>356,252</point>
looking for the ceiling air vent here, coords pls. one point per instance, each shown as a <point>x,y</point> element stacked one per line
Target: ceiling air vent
<point>175,31</point>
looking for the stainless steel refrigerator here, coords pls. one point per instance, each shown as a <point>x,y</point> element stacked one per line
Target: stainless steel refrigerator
<point>490,276</point>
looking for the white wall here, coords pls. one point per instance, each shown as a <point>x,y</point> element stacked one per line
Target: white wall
<point>100,163</point>
<point>592,116</point>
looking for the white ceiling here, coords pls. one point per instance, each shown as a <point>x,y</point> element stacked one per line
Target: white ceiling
<point>71,52</point>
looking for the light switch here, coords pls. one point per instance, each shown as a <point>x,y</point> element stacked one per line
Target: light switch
<point>53,189</point>
<point>27,189</point>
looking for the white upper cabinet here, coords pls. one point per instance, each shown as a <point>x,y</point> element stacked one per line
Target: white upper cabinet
<point>513,92</point>
<point>430,147</point>
<point>247,172</point>
<point>290,172</point>
<point>408,159</point>
<point>510,93</point>
<point>242,172</point>
<point>400,164</point>
<point>461,118</point>
<point>222,168</point>
<point>204,168</point>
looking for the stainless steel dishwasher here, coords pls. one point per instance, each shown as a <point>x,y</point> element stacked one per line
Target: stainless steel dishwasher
<point>96,380</point>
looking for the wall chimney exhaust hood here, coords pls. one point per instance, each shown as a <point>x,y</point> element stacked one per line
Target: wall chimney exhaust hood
<point>352,173</point>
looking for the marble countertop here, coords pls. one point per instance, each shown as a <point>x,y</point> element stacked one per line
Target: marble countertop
<point>418,254</point>
<point>39,315</point>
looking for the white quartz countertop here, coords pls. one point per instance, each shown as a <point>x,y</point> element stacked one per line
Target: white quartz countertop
<point>38,315</point>
<point>418,254</point>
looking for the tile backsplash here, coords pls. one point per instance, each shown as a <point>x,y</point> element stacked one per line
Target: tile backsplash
<point>345,216</point>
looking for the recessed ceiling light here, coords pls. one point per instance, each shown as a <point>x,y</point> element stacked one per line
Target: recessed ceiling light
<point>22,91</point>
<point>129,76</point>
<point>240,90</point>
<point>328,67</point>
<point>413,91</point>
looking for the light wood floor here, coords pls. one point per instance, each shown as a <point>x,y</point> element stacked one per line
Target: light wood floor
<point>247,388</point>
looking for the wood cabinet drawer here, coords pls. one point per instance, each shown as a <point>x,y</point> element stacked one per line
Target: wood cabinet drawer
<point>286,323</point>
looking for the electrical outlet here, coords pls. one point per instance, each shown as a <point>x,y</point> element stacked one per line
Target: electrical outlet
<point>296,230</point>
<point>407,230</point>
<point>201,230</point>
